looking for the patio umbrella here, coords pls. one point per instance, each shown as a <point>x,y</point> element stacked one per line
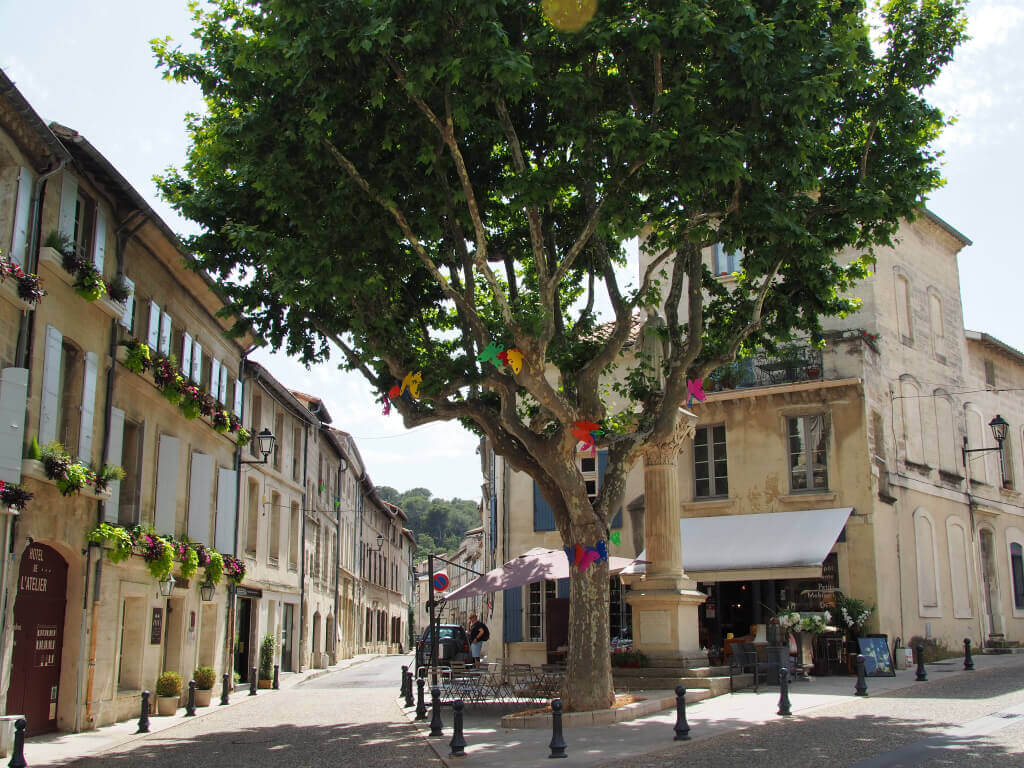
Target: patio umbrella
<point>537,564</point>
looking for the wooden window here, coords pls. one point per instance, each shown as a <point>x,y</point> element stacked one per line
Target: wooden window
<point>710,466</point>
<point>808,461</point>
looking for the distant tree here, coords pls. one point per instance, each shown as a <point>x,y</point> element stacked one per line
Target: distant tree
<point>423,184</point>
<point>389,494</point>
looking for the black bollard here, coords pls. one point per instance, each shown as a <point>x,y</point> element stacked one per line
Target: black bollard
<point>682,728</point>
<point>225,681</point>
<point>921,674</point>
<point>436,726</point>
<point>277,677</point>
<point>144,714</point>
<point>557,744</point>
<point>861,688</point>
<point>421,705</point>
<point>785,709</point>
<point>18,754</point>
<point>968,659</point>
<point>408,690</point>
<point>401,690</point>
<point>190,707</point>
<point>458,742</point>
<point>252,681</point>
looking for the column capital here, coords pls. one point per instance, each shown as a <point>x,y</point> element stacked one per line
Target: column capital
<point>665,451</point>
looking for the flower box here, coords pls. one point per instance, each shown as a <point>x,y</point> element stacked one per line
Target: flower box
<point>91,493</point>
<point>34,469</point>
<point>114,309</point>
<point>10,287</point>
<point>52,258</point>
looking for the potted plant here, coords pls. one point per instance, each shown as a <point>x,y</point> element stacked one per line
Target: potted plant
<point>167,378</point>
<point>137,357</point>
<point>266,675</point>
<point>107,474</point>
<point>119,290</point>
<point>64,246</point>
<point>205,678</point>
<point>89,283</point>
<point>168,691</point>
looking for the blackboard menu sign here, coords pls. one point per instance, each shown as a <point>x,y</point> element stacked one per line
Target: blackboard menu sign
<point>877,661</point>
<point>157,626</point>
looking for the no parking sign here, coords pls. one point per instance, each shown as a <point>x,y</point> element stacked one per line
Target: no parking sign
<point>440,581</point>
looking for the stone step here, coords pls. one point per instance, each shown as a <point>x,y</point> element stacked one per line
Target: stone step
<point>1001,651</point>
<point>659,671</point>
<point>715,686</point>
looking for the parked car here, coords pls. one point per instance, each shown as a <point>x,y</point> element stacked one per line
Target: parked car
<point>452,645</point>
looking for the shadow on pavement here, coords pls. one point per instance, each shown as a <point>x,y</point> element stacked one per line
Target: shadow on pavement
<point>365,744</point>
<point>998,681</point>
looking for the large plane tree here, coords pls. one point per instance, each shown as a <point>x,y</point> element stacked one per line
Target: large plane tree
<point>422,183</point>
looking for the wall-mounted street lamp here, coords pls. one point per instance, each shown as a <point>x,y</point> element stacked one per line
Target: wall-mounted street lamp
<point>167,586</point>
<point>999,425</point>
<point>264,444</point>
<point>380,544</point>
<point>206,591</point>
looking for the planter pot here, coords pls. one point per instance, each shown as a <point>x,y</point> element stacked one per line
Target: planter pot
<point>50,257</point>
<point>265,683</point>
<point>203,696</point>
<point>34,469</point>
<point>10,289</point>
<point>114,309</point>
<point>166,705</point>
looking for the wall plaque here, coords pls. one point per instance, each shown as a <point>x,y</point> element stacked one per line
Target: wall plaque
<point>157,626</point>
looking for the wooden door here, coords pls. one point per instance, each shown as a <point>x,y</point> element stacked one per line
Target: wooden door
<point>556,614</point>
<point>38,638</point>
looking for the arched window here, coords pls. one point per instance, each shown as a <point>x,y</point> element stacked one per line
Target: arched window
<point>977,469</point>
<point>959,567</point>
<point>945,432</point>
<point>927,567</point>
<point>903,306</point>
<point>911,407</point>
<point>935,320</point>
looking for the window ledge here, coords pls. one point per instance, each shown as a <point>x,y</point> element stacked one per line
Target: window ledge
<point>924,469</point>
<point>1010,493</point>
<point>716,503</point>
<point>810,496</point>
<point>951,477</point>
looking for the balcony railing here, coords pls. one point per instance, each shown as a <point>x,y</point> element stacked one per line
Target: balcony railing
<point>788,366</point>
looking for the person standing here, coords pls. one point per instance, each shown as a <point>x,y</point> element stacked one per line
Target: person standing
<point>478,635</point>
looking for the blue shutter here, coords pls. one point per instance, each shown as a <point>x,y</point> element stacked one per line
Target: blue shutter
<point>543,517</point>
<point>602,462</point>
<point>513,615</point>
<point>563,588</point>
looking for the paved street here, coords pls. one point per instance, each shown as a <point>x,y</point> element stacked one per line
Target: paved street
<point>975,719</point>
<point>347,718</point>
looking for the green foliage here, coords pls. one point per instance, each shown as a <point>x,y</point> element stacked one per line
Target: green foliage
<point>117,539</point>
<point>89,283</point>
<point>70,476</point>
<point>34,451</point>
<point>108,473</point>
<point>215,569</point>
<point>168,684</point>
<point>205,678</point>
<point>62,244</point>
<point>630,659</point>
<point>137,358</point>
<point>189,563</point>
<point>438,524</point>
<point>267,657</point>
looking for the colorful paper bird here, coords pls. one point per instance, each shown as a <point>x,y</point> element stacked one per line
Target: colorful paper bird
<point>395,391</point>
<point>583,431</point>
<point>695,388</point>
<point>590,556</point>
<point>492,353</point>
<point>386,410</point>
<point>616,537</point>
<point>513,358</point>
<point>602,550</point>
<point>412,383</point>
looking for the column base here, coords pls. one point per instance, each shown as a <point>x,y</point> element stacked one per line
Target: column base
<point>665,625</point>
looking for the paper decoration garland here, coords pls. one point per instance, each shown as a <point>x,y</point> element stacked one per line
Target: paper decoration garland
<point>585,432</point>
<point>616,537</point>
<point>502,358</point>
<point>695,389</point>
<point>582,557</point>
<point>411,384</point>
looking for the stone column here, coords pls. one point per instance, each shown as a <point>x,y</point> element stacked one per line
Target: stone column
<point>665,602</point>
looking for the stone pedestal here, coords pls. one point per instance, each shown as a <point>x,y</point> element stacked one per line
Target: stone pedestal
<point>664,604</point>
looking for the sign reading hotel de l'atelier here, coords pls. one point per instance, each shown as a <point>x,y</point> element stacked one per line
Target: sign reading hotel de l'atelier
<point>37,580</point>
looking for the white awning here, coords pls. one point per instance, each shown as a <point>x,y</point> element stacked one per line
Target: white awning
<point>770,545</point>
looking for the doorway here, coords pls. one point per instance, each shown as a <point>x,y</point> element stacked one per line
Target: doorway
<point>287,611</point>
<point>243,620</point>
<point>988,576</point>
<point>38,638</point>
<point>174,630</point>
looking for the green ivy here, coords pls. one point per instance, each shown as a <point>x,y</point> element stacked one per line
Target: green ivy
<point>118,539</point>
<point>215,570</point>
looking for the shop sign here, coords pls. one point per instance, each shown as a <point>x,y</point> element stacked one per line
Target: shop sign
<point>156,626</point>
<point>248,592</point>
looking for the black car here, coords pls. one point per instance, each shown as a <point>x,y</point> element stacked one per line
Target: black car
<point>452,645</point>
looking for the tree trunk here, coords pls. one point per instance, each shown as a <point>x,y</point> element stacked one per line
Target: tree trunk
<point>589,673</point>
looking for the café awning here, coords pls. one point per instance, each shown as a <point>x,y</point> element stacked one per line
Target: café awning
<point>769,545</point>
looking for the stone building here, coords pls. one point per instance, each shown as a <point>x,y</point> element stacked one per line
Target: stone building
<point>79,650</point>
<point>810,474</point>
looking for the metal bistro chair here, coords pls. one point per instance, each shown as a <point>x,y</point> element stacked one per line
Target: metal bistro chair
<point>745,660</point>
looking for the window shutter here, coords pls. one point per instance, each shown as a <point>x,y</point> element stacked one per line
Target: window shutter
<point>128,316</point>
<point>153,332</point>
<point>238,397</point>
<point>543,517</point>
<point>200,489</point>
<point>88,407</point>
<point>68,201</point>
<point>197,362</point>
<point>13,396</point>
<point>214,376</point>
<point>222,388</point>
<point>166,485</point>
<point>114,456</point>
<point>512,613</point>
<point>186,354</point>
<point>224,540</point>
<point>165,334</point>
<point>563,588</point>
<point>22,205</point>
<point>602,462</point>
<point>50,404</point>
<point>99,249</point>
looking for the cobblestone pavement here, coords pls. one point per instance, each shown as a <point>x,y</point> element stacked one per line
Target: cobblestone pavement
<point>975,720</point>
<point>347,718</point>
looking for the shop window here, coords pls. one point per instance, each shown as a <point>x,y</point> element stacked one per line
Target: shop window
<point>539,593</point>
<point>808,460</point>
<point>1017,570</point>
<point>710,467</point>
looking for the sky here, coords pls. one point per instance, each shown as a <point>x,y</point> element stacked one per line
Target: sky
<point>88,65</point>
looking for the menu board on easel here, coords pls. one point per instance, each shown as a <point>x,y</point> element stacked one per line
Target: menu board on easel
<point>877,660</point>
